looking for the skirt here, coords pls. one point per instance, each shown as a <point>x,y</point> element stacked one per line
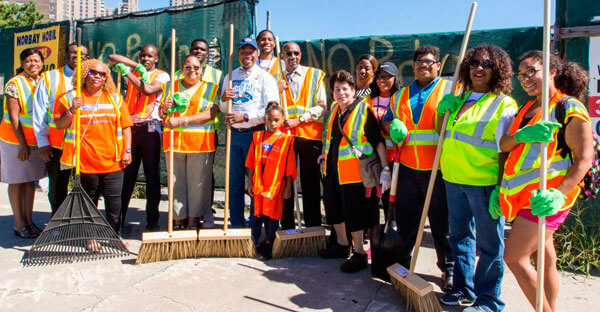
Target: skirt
<point>14,171</point>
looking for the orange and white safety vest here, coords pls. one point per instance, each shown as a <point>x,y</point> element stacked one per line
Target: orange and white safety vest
<point>138,103</point>
<point>306,100</point>
<point>267,183</point>
<point>26,91</point>
<point>56,86</point>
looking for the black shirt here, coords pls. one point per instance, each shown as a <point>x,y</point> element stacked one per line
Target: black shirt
<point>372,133</point>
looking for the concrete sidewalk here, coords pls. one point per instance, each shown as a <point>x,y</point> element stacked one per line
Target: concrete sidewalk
<point>219,284</point>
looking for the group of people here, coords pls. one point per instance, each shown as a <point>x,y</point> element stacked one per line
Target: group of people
<point>279,120</point>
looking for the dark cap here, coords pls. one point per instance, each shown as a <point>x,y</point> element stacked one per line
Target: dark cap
<point>389,68</point>
<point>248,41</point>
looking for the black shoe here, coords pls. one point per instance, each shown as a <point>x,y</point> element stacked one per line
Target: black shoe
<point>447,280</point>
<point>152,227</point>
<point>456,298</point>
<point>356,263</point>
<point>266,252</point>
<point>335,250</point>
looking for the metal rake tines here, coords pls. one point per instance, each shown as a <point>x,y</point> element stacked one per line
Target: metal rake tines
<point>74,243</point>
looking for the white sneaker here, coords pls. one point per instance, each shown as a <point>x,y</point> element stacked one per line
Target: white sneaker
<point>209,222</point>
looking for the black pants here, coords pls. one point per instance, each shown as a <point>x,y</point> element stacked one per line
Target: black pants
<point>307,152</point>
<point>145,148</point>
<point>58,180</point>
<point>108,185</point>
<point>410,197</point>
<point>345,203</point>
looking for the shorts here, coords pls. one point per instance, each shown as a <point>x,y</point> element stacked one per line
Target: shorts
<point>552,222</point>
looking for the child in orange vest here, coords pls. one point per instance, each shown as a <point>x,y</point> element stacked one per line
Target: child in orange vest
<point>272,169</point>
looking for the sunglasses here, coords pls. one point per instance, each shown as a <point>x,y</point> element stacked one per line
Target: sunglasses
<point>294,53</point>
<point>425,62</point>
<point>190,67</point>
<point>93,72</point>
<point>484,64</point>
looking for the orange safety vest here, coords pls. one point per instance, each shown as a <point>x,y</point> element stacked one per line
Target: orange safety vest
<point>267,183</point>
<point>522,167</point>
<point>26,91</point>
<point>274,69</point>
<point>348,167</point>
<point>390,147</point>
<point>193,138</point>
<point>101,113</point>
<point>306,99</point>
<point>55,84</point>
<point>419,151</point>
<point>138,103</point>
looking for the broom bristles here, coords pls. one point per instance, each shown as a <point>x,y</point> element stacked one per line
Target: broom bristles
<point>298,247</point>
<point>415,302</point>
<point>163,251</point>
<point>229,248</point>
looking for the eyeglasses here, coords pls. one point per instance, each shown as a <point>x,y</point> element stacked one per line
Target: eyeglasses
<point>294,53</point>
<point>528,73</point>
<point>93,72</point>
<point>425,62</point>
<point>190,67</point>
<point>484,64</point>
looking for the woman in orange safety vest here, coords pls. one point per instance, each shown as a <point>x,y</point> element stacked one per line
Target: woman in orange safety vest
<point>520,199</point>
<point>271,165</point>
<point>21,164</point>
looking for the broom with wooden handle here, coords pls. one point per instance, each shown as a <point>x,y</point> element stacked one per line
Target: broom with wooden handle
<point>226,242</point>
<point>418,293</point>
<point>170,245</point>
<point>539,295</point>
<point>299,242</point>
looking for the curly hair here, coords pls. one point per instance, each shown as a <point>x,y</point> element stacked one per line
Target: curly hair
<point>570,77</point>
<point>341,76</point>
<point>109,85</point>
<point>501,69</point>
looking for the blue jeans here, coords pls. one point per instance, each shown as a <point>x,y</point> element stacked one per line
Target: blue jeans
<point>468,212</point>
<point>240,143</point>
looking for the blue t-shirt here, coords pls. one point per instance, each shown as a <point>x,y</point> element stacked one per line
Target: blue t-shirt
<point>418,97</point>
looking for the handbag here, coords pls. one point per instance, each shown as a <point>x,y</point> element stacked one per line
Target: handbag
<point>370,166</point>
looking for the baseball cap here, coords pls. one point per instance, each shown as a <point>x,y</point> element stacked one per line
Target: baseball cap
<point>248,41</point>
<point>388,67</point>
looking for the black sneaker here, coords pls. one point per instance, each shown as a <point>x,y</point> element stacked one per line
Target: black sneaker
<point>356,263</point>
<point>335,250</point>
<point>456,298</point>
<point>447,281</point>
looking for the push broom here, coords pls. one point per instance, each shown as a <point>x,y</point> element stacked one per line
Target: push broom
<point>77,231</point>
<point>416,292</point>
<point>170,245</point>
<point>226,242</point>
<point>299,242</point>
<point>539,294</point>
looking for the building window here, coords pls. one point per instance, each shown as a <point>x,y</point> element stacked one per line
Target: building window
<point>52,16</point>
<point>52,7</point>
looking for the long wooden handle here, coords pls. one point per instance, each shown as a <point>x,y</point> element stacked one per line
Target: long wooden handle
<point>171,133</point>
<point>539,295</point>
<point>119,84</point>
<point>78,114</point>
<point>438,151</point>
<point>228,140</point>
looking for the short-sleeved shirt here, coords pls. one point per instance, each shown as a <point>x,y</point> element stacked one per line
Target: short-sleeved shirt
<point>418,97</point>
<point>98,132</point>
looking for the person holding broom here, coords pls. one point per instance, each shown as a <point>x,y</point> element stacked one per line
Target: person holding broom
<point>570,154</point>
<point>105,137</point>
<point>471,163</point>
<point>412,109</point>
<point>145,85</point>
<point>190,112</point>
<point>253,88</point>
<point>344,192</point>
<point>21,163</point>
<point>271,165</point>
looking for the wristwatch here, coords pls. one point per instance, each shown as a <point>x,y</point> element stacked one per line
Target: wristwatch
<point>386,168</point>
<point>246,117</point>
<point>128,150</point>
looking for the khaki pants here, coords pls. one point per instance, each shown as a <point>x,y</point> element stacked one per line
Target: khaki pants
<point>192,184</point>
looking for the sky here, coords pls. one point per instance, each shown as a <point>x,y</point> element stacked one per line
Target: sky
<point>316,19</point>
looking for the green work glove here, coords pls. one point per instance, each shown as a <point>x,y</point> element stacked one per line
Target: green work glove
<point>494,206</point>
<point>180,103</point>
<point>449,103</point>
<point>546,202</point>
<point>122,69</point>
<point>144,76</point>
<point>398,131</point>
<point>542,131</point>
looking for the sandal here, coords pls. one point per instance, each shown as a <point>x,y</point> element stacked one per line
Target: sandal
<point>34,229</point>
<point>23,232</point>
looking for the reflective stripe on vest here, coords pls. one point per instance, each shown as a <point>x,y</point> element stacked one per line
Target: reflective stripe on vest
<point>469,153</point>
<point>348,166</point>
<point>68,157</point>
<point>137,102</point>
<point>25,90</point>
<point>305,101</point>
<point>419,151</point>
<point>55,84</point>
<point>272,171</point>
<point>522,167</point>
<point>193,138</point>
